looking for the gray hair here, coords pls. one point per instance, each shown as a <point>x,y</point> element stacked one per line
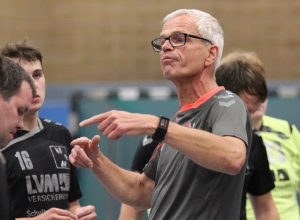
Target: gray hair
<point>12,76</point>
<point>207,25</point>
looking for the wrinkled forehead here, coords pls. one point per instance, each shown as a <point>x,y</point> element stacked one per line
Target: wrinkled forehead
<point>180,24</point>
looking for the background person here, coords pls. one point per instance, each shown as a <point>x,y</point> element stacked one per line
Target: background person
<point>282,141</point>
<point>44,184</point>
<point>17,89</point>
<point>201,161</point>
<point>241,72</point>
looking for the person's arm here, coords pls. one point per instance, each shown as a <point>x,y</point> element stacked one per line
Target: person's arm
<point>130,213</point>
<point>226,154</point>
<point>74,205</point>
<point>126,186</point>
<point>264,207</point>
<point>141,157</point>
<point>85,212</point>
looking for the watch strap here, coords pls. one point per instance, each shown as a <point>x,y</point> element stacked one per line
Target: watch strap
<point>161,129</point>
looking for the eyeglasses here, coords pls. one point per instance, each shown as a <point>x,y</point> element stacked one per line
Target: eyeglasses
<point>176,40</point>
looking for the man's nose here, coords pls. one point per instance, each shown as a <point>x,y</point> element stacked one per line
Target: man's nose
<point>167,45</point>
<point>20,123</point>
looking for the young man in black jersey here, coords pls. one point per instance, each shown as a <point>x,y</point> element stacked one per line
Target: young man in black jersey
<point>44,183</point>
<point>17,90</point>
<point>200,164</point>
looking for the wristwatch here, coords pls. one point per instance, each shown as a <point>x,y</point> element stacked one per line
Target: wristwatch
<point>161,129</point>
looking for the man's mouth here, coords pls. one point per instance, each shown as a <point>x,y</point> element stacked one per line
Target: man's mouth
<point>36,98</point>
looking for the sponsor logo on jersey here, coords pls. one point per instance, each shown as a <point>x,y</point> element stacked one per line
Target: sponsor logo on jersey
<point>227,104</point>
<point>48,183</point>
<point>48,187</point>
<point>60,156</point>
<point>225,96</point>
<point>33,213</point>
<point>48,197</point>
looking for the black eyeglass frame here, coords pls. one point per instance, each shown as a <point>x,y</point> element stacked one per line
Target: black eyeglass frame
<point>185,36</point>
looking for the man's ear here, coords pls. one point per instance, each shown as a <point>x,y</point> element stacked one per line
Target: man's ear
<point>212,54</point>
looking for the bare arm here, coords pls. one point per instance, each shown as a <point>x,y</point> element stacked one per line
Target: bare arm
<point>222,154</point>
<point>74,205</point>
<point>264,207</point>
<point>129,213</point>
<point>128,187</point>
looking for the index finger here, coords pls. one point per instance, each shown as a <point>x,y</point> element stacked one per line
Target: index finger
<point>78,157</point>
<point>83,141</point>
<point>93,120</point>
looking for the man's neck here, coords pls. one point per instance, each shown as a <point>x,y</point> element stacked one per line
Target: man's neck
<point>189,93</point>
<point>31,121</point>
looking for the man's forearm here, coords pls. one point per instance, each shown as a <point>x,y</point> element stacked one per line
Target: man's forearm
<point>129,213</point>
<point>126,186</point>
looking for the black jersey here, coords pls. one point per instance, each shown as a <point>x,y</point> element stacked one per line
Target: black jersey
<point>185,190</point>
<point>143,153</point>
<point>258,179</point>
<point>38,170</point>
<point>5,200</point>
